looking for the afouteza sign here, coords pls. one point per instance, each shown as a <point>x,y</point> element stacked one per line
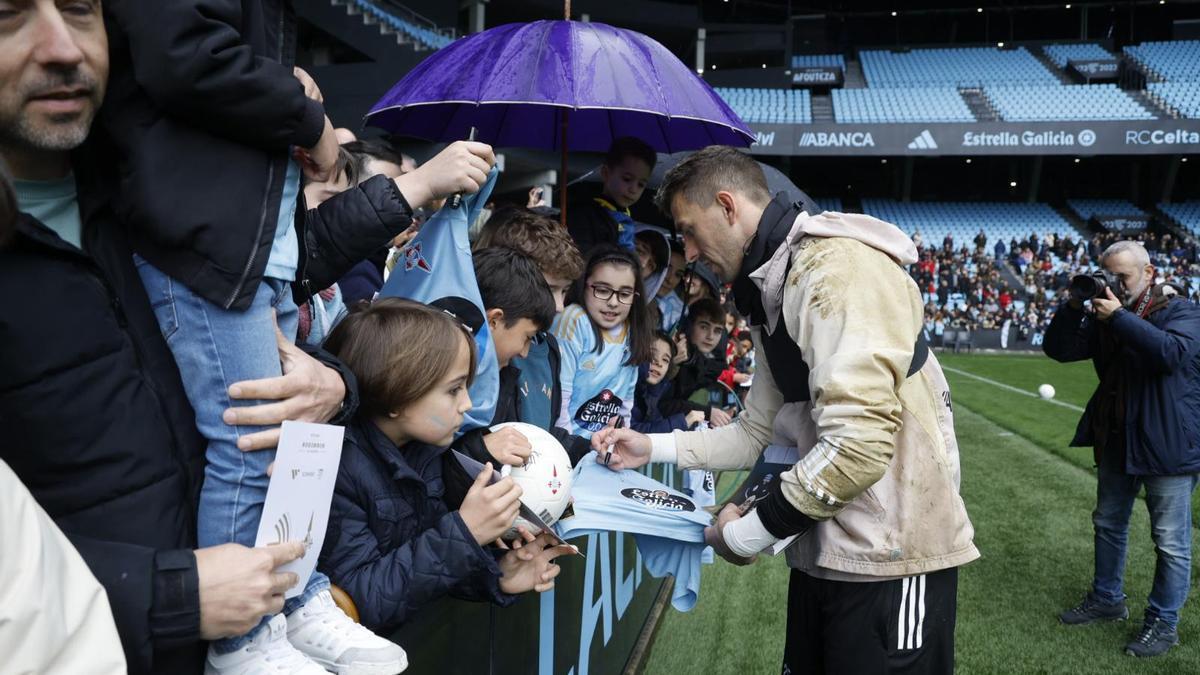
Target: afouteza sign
<point>1148,137</point>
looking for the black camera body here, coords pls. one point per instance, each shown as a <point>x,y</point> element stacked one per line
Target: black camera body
<point>1088,286</point>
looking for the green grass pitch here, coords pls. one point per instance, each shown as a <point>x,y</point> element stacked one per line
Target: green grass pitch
<point>1030,498</point>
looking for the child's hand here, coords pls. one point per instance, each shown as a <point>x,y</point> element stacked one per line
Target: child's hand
<point>508,446</point>
<point>489,510</point>
<point>530,565</point>
<point>694,417</point>
<point>681,348</point>
<point>462,166</point>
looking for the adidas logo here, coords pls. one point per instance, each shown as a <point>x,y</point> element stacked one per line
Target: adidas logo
<point>923,142</point>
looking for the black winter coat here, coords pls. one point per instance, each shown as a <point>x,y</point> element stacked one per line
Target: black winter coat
<point>98,427</point>
<point>590,224</point>
<point>393,544</point>
<point>202,108</point>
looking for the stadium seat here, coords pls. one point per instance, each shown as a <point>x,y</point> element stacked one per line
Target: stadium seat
<point>1023,103</point>
<point>1176,61</point>
<point>963,220</point>
<point>1182,97</point>
<point>923,104</point>
<point>768,106</point>
<point>953,67</point>
<point>818,61</point>
<point>1086,208</point>
<point>1060,54</point>
<point>1187,214</point>
<point>427,38</point>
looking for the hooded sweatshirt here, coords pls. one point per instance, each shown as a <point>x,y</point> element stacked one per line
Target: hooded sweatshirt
<point>876,444</point>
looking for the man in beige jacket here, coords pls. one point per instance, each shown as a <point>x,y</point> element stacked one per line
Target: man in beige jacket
<point>845,381</point>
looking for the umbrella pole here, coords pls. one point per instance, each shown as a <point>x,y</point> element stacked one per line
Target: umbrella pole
<point>562,178</point>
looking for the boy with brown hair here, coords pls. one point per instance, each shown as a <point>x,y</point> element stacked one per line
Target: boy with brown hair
<point>551,249</point>
<point>605,218</point>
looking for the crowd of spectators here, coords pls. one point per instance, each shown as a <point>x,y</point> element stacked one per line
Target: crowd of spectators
<point>1019,283</point>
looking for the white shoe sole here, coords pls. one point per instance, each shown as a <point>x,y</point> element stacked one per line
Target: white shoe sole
<point>390,668</point>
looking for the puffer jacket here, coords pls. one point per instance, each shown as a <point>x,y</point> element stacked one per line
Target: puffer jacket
<point>392,544</point>
<point>1158,360</point>
<point>98,428</point>
<point>877,482</point>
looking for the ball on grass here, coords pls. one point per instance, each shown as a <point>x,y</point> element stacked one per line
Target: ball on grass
<point>1046,391</point>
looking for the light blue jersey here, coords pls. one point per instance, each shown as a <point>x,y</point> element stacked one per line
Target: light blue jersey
<point>667,525</point>
<point>437,264</point>
<point>595,386</point>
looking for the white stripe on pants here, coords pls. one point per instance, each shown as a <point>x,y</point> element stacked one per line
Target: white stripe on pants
<point>910,621</point>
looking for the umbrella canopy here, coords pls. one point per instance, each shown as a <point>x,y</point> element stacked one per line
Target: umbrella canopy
<point>515,83</point>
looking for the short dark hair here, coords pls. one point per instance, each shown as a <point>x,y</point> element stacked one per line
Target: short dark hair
<point>536,236</point>
<point>628,146</point>
<point>370,148</point>
<point>708,171</point>
<point>398,350</point>
<point>665,337</point>
<point>706,309</point>
<point>512,282</point>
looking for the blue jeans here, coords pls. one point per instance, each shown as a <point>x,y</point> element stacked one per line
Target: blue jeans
<point>1169,502</point>
<point>214,348</point>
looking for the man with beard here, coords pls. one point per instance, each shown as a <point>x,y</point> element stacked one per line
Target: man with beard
<point>846,383</point>
<point>96,421</point>
<point>1144,341</point>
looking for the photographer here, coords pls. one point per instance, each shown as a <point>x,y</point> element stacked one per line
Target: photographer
<point>1144,340</point>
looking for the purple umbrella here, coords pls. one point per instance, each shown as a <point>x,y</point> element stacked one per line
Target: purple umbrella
<point>518,83</point>
<point>513,83</point>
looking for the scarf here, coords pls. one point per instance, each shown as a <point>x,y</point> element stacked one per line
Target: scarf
<point>773,228</point>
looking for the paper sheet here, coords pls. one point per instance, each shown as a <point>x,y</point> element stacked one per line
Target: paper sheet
<point>300,492</point>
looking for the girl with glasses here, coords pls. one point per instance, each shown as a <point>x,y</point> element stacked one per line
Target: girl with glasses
<point>603,337</point>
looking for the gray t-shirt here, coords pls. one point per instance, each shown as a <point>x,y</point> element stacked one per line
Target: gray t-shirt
<point>54,203</point>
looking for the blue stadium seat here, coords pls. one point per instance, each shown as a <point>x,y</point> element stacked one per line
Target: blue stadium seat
<point>830,203</point>
<point>1187,213</point>
<point>1025,103</point>
<point>953,67</point>
<point>768,106</point>
<point>1086,208</point>
<point>1182,97</point>
<point>1060,54</point>
<point>963,220</point>
<point>818,61</point>
<point>426,37</point>
<point>931,104</point>
<point>1177,61</point>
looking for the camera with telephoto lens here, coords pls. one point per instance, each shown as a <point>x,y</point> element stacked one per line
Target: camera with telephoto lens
<point>1088,286</point>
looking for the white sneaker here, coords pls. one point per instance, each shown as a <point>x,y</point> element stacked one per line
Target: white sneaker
<point>268,653</point>
<point>324,633</point>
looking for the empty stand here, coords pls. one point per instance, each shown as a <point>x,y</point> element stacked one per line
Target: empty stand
<point>1065,103</point>
<point>769,106</point>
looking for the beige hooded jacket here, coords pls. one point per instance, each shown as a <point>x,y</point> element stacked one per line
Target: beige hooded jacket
<point>879,464</point>
<point>54,615</point>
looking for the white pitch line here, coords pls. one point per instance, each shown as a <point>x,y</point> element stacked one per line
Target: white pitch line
<point>973,376</point>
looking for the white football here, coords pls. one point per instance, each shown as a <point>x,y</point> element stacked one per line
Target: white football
<point>1046,391</point>
<point>545,478</point>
